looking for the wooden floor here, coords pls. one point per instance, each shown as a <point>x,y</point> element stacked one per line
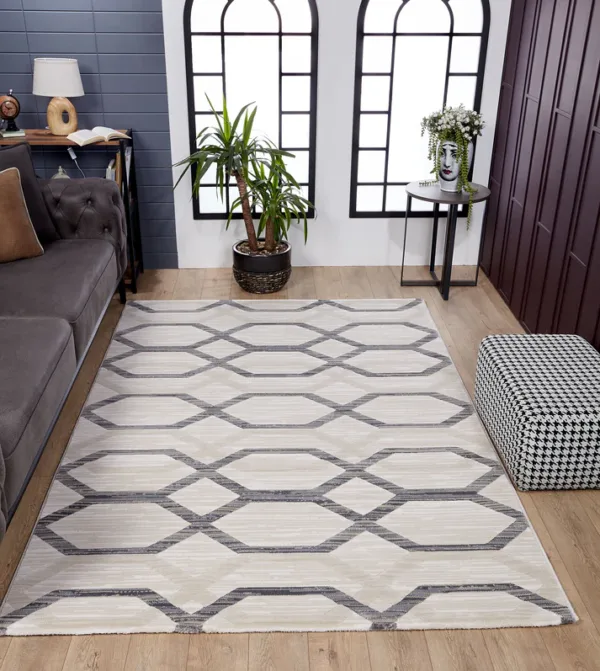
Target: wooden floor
<point>568,524</point>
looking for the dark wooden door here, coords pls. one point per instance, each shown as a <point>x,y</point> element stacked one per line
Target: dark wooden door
<point>542,243</point>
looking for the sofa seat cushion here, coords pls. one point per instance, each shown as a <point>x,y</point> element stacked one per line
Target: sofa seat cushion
<point>73,280</point>
<point>37,365</point>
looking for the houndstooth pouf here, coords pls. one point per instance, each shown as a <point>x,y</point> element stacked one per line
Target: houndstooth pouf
<point>539,398</point>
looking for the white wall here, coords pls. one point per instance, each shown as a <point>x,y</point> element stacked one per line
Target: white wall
<point>334,238</point>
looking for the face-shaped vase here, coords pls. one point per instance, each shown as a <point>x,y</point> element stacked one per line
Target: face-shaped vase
<point>450,166</point>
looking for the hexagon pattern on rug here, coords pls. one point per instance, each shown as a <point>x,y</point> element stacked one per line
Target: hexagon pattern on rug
<point>280,465</point>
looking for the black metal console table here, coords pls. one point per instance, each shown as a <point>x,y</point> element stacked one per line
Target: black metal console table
<point>433,194</point>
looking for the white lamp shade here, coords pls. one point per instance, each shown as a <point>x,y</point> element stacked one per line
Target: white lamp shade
<point>57,77</point>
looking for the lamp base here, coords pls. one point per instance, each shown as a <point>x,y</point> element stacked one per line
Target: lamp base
<point>57,107</point>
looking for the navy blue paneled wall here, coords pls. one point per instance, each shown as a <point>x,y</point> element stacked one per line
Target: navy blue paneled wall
<point>120,48</point>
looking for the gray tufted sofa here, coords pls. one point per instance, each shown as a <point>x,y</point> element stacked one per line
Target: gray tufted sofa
<point>50,309</point>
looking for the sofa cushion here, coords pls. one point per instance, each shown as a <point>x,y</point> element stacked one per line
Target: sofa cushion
<point>74,280</point>
<point>37,365</point>
<point>17,234</point>
<point>19,156</point>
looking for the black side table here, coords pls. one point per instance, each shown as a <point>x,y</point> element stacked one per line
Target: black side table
<point>433,194</point>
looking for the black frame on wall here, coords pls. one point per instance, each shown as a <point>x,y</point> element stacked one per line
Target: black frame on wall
<point>359,75</point>
<point>312,111</point>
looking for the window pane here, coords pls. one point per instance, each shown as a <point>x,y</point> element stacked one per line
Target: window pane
<point>298,166</point>
<point>371,166</point>
<point>296,131</point>
<point>295,15</point>
<point>251,16</point>
<point>206,54</point>
<point>296,55</point>
<point>424,16</point>
<point>211,87</point>
<point>373,130</point>
<point>380,16</point>
<point>369,199</point>
<point>296,94</point>
<point>375,94</point>
<point>408,150</point>
<point>377,54</point>
<point>262,90</point>
<point>211,176</point>
<point>465,54</point>
<point>205,121</point>
<point>206,15</point>
<point>468,16</point>
<point>461,90</point>
<point>396,199</point>
<point>233,194</point>
<point>210,201</point>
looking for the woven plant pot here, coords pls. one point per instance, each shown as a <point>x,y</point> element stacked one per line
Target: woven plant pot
<point>259,274</point>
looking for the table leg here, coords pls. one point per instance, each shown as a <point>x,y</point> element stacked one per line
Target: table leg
<point>122,291</point>
<point>434,234</point>
<point>408,207</point>
<point>449,251</point>
<point>131,242</point>
<point>481,241</point>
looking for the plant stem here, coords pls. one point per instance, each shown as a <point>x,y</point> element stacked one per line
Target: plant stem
<point>270,236</point>
<point>246,213</point>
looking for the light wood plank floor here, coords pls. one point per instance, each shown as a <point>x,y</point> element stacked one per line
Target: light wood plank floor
<point>568,524</point>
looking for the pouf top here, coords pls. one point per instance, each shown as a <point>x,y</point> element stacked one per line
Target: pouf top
<point>550,374</point>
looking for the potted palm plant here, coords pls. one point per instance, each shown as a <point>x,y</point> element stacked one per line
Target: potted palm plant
<point>267,191</point>
<point>277,201</point>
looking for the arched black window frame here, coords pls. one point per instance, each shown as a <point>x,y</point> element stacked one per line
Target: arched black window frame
<point>361,34</point>
<point>312,112</point>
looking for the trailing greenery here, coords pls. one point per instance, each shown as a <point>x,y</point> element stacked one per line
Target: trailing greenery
<point>258,167</point>
<point>458,125</point>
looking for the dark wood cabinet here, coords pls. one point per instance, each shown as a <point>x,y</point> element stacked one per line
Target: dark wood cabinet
<point>542,243</point>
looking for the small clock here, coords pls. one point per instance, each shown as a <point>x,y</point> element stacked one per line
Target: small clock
<point>10,108</point>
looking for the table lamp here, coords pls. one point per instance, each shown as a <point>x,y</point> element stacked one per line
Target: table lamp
<point>59,79</point>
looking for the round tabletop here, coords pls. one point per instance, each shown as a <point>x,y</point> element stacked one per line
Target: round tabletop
<point>433,194</point>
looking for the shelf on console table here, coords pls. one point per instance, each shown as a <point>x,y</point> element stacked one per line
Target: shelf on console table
<point>44,138</point>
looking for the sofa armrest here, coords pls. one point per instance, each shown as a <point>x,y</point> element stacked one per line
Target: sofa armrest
<point>88,208</point>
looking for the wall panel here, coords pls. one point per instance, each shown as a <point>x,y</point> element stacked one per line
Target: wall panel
<point>544,260</point>
<point>521,32</point>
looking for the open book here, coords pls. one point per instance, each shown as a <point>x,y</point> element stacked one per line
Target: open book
<point>97,134</point>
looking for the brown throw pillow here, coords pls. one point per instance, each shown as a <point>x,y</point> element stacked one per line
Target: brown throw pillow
<point>18,239</point>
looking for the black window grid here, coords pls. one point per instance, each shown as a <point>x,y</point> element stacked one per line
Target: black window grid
<point>311,112</point>
<point>358,112</point>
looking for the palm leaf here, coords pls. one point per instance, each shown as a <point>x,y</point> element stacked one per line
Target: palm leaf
<point>248,125</point>
<point>216,114</point>
<point>238,118</point>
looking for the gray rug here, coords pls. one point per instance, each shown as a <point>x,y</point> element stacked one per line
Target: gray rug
<point>280,465</point>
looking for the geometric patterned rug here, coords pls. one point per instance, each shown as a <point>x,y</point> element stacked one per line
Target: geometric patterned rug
<point>280,466</point>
